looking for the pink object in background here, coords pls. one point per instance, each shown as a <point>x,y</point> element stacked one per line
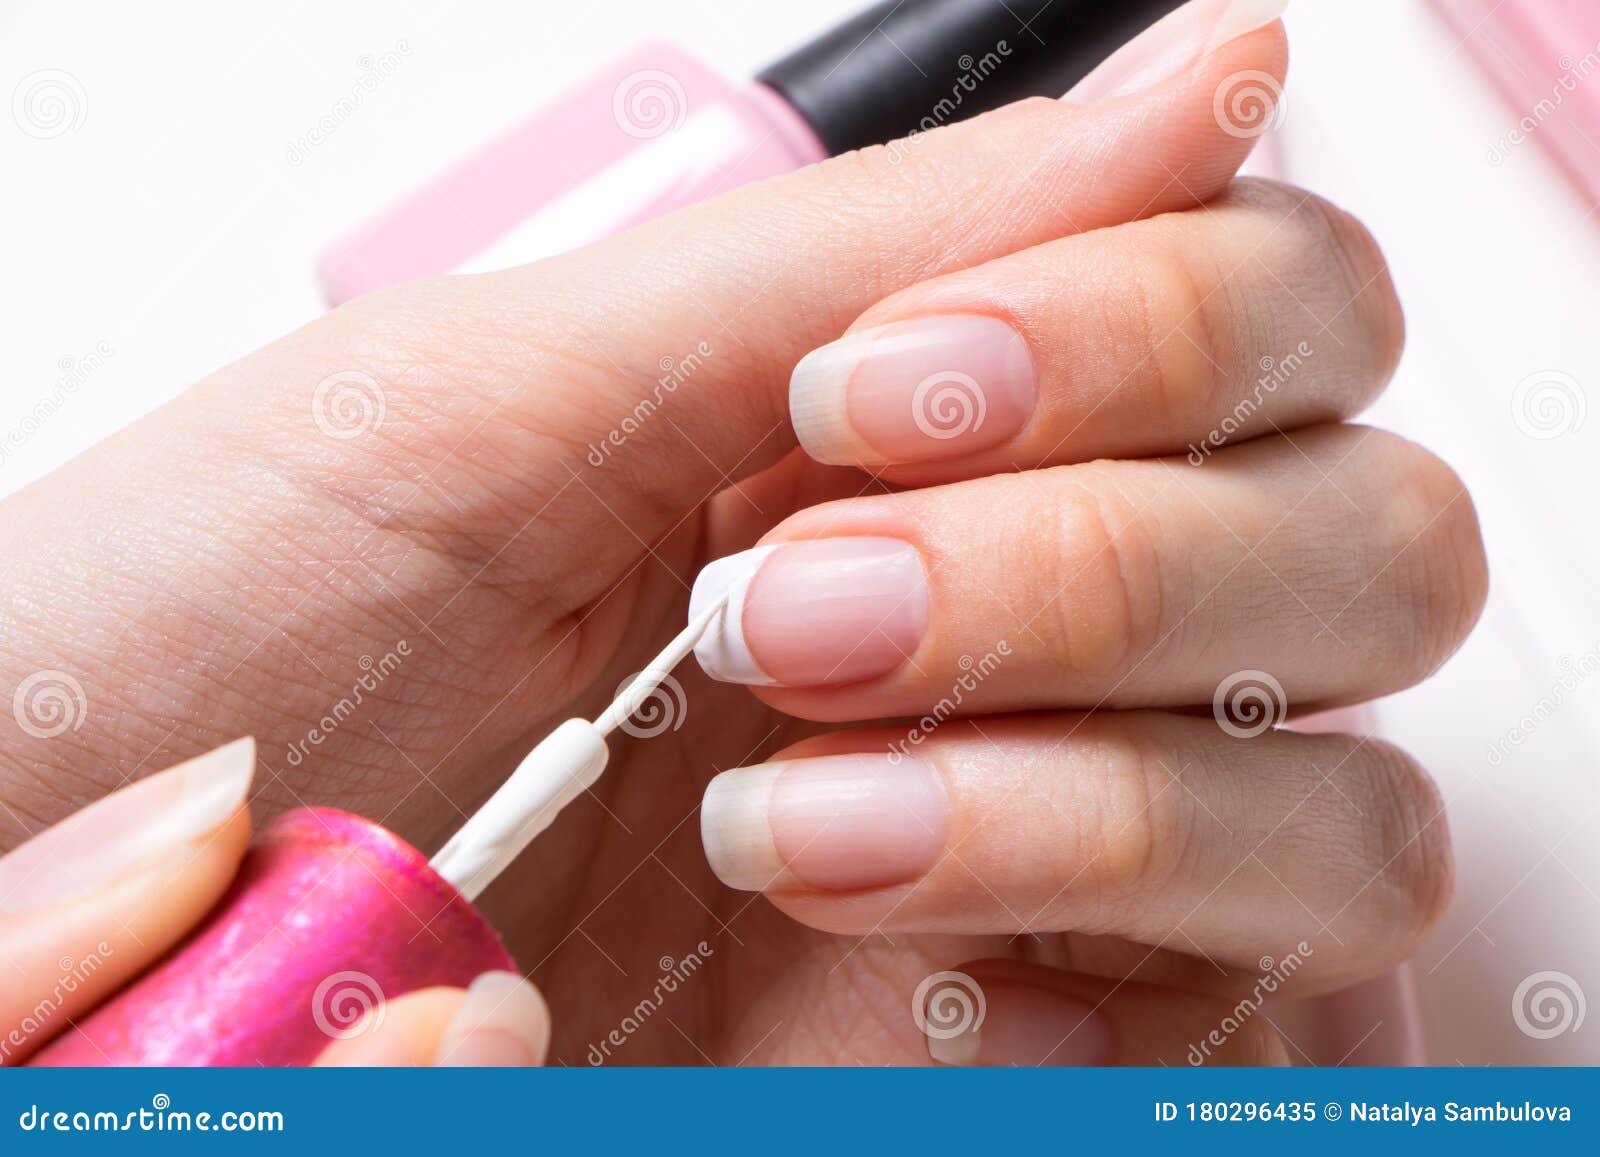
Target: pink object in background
<point>655,131</point>
<point>330,915</point>
<point>1544,56</point>
<point>658,130</point>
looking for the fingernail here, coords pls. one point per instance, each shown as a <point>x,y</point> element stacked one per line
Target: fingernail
<point>912,391</point>
<point>997,1023</point>
<point>834,823</point>
<point>502,1023</point>
<point>1173,43</point>
<point>127,828</point>
<point>803,614</point>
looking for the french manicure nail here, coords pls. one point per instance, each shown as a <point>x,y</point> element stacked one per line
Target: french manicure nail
<point>832,823</point>
<point>913,391</point>
<point>501,1023</point>
<point>804,614</point>
<point>127,828</point>
<point>998,1023</point>
<point>1173,43</point>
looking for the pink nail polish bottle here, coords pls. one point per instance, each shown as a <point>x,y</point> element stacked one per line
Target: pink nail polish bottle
<point>659,130</point>
<point>330,917</point>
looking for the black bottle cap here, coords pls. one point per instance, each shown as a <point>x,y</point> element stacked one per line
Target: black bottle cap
<point>907,65</point>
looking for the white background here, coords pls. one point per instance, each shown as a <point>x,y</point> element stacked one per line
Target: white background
<point>171,226</point>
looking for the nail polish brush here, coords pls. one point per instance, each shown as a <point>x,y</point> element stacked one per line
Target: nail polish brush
<point>332,915</point>
<point>563,767</point>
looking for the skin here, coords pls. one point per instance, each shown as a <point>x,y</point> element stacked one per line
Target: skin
<point>222,568</point>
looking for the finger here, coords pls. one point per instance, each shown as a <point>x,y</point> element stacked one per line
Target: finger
<point>674,342</point>
<point>500,1021</point>
<point>87,904</point>
<point>1265,310</point>
<point>1010,1012</point>
<point>1163,829</point>
<point>1343,562</point>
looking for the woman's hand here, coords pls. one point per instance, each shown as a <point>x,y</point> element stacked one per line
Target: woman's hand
<point>87,905</point>
<point>402,543</point>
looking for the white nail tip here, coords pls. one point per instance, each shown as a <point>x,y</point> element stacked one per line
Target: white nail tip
<point>722,651</point>
<point>1242,16</point>
<point>216,783</point>
<point>736,828</point>
<point>817,404</point>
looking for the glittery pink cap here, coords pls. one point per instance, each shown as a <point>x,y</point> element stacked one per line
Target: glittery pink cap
<point>330,916</point>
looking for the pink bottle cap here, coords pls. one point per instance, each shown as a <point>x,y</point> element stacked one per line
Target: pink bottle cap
<point>330,916</point>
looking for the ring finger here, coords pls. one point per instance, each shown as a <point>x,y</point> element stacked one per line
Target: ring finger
<point>1343,561</point>
<point>1162,829</point>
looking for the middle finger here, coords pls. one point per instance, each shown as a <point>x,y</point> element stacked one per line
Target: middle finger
<point>1343,561</point>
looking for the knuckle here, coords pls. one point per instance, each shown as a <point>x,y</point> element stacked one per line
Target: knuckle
<point>1187,331</point>
<point>1410,843</point>
<point>1095,575</point>
<point>1367,302</point>
<point>1429,539</point>
<point>1313,238</point>
<point>1131,832</point>
<point>1378,322</point>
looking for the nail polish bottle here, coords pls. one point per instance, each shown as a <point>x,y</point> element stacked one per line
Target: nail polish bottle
<point>329,917</point>
<point>659,130</point>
